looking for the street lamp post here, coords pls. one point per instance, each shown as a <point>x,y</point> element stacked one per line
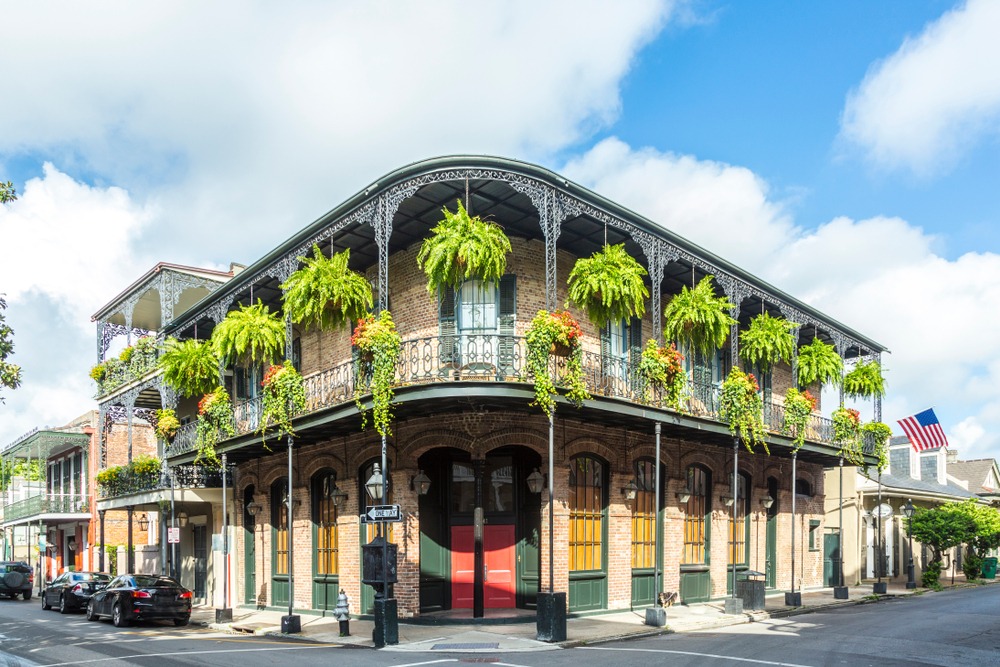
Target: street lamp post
<point>908,511</point>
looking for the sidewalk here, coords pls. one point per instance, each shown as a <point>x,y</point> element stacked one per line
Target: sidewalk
<point>519,637</point>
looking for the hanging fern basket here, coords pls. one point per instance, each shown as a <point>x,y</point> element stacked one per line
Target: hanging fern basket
<point>865,381</point>
<point>462,247</point>
<point>608,286</point>
<point>767,341</point>
<point>251,334</point>
<point>325,293</point>
<point>819,362</point>
<point>698,318</point>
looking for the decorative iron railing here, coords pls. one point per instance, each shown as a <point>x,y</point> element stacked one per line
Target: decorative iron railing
<point>121,373</point>
<point>49,503</point>
<point>495,358</point>
<point>185,477</point>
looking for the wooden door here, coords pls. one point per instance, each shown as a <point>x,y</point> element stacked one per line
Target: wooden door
<point>831,559</point>
<point>463,566</point>
<point>498,557</point>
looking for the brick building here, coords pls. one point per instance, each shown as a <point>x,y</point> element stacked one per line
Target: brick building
<point>479,537</point>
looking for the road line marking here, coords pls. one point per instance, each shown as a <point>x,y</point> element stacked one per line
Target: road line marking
<point>692,653</point>
<point>428,662</point>
<point>180,653</point>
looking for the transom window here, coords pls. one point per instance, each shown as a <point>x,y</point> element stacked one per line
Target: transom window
<point>644,516</point>
<point>326,525</point>
<point>586,514</point>
<point>695,535</point>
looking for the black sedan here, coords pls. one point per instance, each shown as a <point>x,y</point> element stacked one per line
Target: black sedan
<point>72,590</point>
<point>141,597</point>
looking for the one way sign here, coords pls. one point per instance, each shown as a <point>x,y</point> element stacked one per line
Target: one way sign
<point>380,513</point>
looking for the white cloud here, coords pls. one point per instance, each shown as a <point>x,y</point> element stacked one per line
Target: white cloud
<point>879,276</point>
<point>923,106</point>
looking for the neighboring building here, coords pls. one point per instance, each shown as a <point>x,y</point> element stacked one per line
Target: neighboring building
<point>463,417</point>
<point>920,477</point>
<point>979,476</point>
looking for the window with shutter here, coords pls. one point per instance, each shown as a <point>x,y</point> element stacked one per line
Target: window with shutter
<point>297,354</point>
<point>507,326</point>
<point>447,326</point>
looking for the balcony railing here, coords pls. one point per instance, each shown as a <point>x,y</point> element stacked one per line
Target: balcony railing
<point>494,358</point>
<point>52,503</point>
<point>122,373</point>
<point>185,477</point>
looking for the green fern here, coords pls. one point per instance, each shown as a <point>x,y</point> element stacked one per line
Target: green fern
<point>325,293</point>
<point>463,247</point>
<point>251,334</point>
<point>698,318</point>
<point>190,367</point>
<point>865,381</point>
<point>608,286</point>
<point>819,361</point>
<point>767,341</point>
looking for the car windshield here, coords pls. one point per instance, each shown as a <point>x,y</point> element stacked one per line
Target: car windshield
<point>154,582</point>
<point>90,576</point>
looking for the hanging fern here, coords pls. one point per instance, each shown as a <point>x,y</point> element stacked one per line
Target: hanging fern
<point>251,334</point>
<point>190,367</point>
<point>325,293</point>
<point>865,381</point>
<point>767,341</point>
<point>819,362</point>
<point>463,247</point>
<point>698,318</point>
<point>608,286</point>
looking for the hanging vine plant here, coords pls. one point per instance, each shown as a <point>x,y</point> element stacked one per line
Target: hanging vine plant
<point>608,286</point>
<point>660,368</point>
<point>742,406</point>
<point>698,318</point>
<point>284,397</point>
<point>167,424</point>
<point>190,367</point>
<point>251,334</point>
<point>767,341</point>
<point>865,381</point>
<point>847,435</point>
<point>878,434</point>
<point>555,333</point>
<point>215,423</point>
<point>819,362</point>
<point>462,247</point>
<point>325,293</point>
<point>799,407</point>
<point>377,339</point>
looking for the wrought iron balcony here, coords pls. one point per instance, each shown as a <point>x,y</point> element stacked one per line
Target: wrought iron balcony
<point>185,477</point>
<point>50,503</point>
<point>122,373</point>
<point>495,358</point>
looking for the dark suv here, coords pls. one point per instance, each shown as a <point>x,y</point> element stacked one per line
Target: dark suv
<point>16,579</point>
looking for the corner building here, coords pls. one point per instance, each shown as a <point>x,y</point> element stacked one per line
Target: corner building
<point>462,417</point>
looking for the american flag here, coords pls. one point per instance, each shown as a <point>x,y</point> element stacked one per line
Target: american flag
<point>924,430</point>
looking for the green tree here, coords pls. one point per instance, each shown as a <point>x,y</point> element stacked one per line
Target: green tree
<point>985,536</point>
<point>10,374</point>
<point>941,528</point>
<point>7,192</point>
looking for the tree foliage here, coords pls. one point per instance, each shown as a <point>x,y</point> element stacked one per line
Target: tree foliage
<point>10,374</point>
<point>7,192</point>
<point>462,247</point>
<point>819,362</point>
<point>941,528</point>
<point>698,318</point>
<point>251,334</point>
<point>325,293</point>
<point>767,341</point>
<point>608,286</point>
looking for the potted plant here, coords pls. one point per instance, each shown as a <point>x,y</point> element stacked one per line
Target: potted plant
<point>379,344</point>
<point>284,396</point>
<point>608,286</point>
<point>215,420</point>
<point>557,334</point>
<point>109,480</point>
<point>462,247</point>
<point>799,406</point>
<point>325,293</point>
<point>742,406</point>
<point>251,334</point>
<point>190,367</point>
<point>847,435</point>
<point>698,318</point>
<point>878,434</point>
<point>661,369</point>
<point>767,341</point>
<point>819,362</point>
<point>865,381</point>
<point>167,424</point>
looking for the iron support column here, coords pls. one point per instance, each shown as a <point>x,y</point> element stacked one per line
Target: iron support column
<point>100,513</point>
<point>793,599</point>
<point>552,520</point>
<point>657,528</point>
<point>129,563</point>
<point>840,592</point>
<point>479,558</point>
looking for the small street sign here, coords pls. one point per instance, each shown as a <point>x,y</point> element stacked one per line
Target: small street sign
<point>883,511</point>
<point>173,535</point>
<point>379,513</point>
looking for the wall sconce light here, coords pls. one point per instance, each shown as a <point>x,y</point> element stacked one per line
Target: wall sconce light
<point>143,521</point>
<point>684,495</point>
<point>767,502</point>
<point>727,499</point>
<point>630,490</point>
<point>420,483</point>
<point>536,482</point>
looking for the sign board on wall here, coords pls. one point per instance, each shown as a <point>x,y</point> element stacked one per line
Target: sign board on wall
<point>173,535</point>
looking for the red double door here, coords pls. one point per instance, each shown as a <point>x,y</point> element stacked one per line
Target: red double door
<point>499,564</point>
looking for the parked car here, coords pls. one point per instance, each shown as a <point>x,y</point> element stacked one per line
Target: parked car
<point>141,597</point>
<point>16,579</point>
<point>72,590</point>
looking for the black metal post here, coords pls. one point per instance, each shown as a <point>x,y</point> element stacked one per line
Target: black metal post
<point>101,514</point>
<point>734,605</point>
<point>880,587</point>
<point>840,592</point>
<point>175,571</point>
<point>225,615</point>
<point>552,508</point>
<point>910,582</point>
<point>793,599</point>
<point>480,576</point>
<point>129,563</point>
<point>657,528</point>
<point>291,623</point>
<point>550,624</point>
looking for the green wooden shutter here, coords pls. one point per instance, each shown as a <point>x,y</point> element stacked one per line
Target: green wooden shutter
<point>507,326</point>
<point>448,326</point>
<point>635,352</point>
<point>607,364</point>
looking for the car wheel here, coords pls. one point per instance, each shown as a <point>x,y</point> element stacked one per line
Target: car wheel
<point>91,615</point>
<point>181,621</point>
<point>45,606</point>
<point>118,616</point>
<point>63,608</point>
<point>26,595</point>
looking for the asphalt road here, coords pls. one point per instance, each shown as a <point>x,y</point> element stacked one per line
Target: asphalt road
<point>952,629</point>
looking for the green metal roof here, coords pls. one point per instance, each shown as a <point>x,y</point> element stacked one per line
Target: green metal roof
<point>39,443</point>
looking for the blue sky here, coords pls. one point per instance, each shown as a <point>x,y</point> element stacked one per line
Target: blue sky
<point>845,151</point>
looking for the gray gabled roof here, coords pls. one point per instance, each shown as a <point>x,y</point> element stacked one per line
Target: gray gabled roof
<point>974,472</point>
<point>908,483</point>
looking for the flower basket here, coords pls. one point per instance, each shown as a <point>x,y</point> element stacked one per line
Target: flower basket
<point>661,369</point>
<point>847,434</point>
<point>378,343</point>
<point>167,424</point>
<point>284,397</point>
<point>551,334</point>
<point>743,407</point>
<point>560,350</point>
<point>215,421</point>
<point>799,407</point>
